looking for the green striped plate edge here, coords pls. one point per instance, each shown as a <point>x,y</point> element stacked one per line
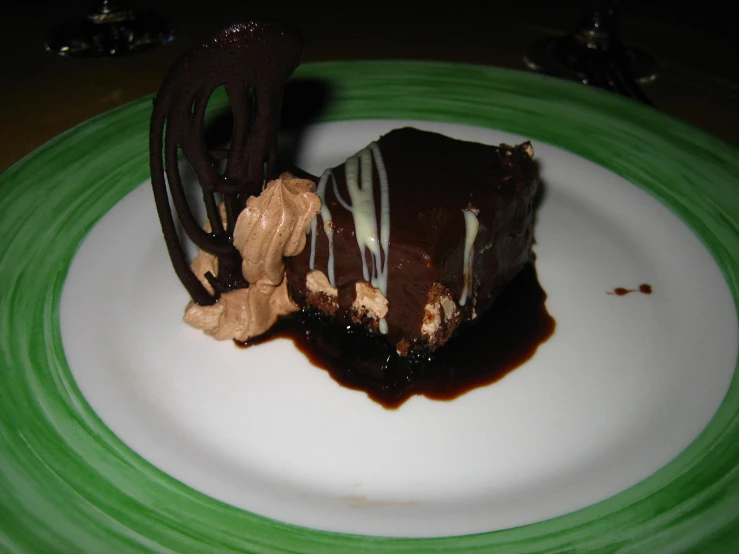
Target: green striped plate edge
<point>67,484</point>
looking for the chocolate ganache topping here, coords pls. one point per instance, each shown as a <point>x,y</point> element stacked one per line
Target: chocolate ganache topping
<point>253,62</point>
<point>417,234</point>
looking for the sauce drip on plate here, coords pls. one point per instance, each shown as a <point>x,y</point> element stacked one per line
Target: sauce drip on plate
<point>620,291</point>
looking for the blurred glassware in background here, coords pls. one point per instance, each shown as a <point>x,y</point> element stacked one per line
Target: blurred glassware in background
<point>593,54</point>
<point>110,30</point>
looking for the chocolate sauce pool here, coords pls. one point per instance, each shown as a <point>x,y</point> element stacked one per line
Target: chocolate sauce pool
<point>500,341</point>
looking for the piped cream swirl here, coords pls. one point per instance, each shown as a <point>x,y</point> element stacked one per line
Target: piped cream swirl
<point>273,225</point>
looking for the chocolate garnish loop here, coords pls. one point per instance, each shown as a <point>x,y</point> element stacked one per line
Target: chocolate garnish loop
<point>252,61</point>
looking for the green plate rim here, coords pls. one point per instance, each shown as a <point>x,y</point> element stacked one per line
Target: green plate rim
<point>68,484</point>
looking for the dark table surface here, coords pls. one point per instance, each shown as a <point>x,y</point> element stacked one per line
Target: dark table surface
<point>43,94</point>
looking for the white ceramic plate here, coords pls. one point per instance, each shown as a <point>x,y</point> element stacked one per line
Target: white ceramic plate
<point>607,401</point>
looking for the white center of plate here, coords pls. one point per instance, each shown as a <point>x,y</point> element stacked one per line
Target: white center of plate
<point>623,386</point>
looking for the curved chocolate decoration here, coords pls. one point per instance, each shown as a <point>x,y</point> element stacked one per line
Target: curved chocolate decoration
<point>253,61</point>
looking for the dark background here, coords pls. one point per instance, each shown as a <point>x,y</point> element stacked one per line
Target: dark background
<point>41,95</point>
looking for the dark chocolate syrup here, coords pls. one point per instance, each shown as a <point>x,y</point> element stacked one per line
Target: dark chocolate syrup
<point>482,353</point>
<point>620,291</point>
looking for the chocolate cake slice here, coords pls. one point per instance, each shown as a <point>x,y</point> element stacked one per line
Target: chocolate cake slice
<point>417,234</point>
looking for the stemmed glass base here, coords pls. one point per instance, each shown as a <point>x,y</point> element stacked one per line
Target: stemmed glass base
<point>597,34</point>
<point>110,30</point>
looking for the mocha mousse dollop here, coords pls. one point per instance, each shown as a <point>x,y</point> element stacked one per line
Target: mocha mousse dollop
<point>272,226</point>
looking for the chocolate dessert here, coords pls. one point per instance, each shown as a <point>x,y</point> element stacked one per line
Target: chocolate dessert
<point>417,234</point>
<point>381,264</point>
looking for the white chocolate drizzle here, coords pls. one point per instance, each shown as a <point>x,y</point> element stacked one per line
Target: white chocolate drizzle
<point>360,185</point>
<point>471,226</point>
<point>327,226</point>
